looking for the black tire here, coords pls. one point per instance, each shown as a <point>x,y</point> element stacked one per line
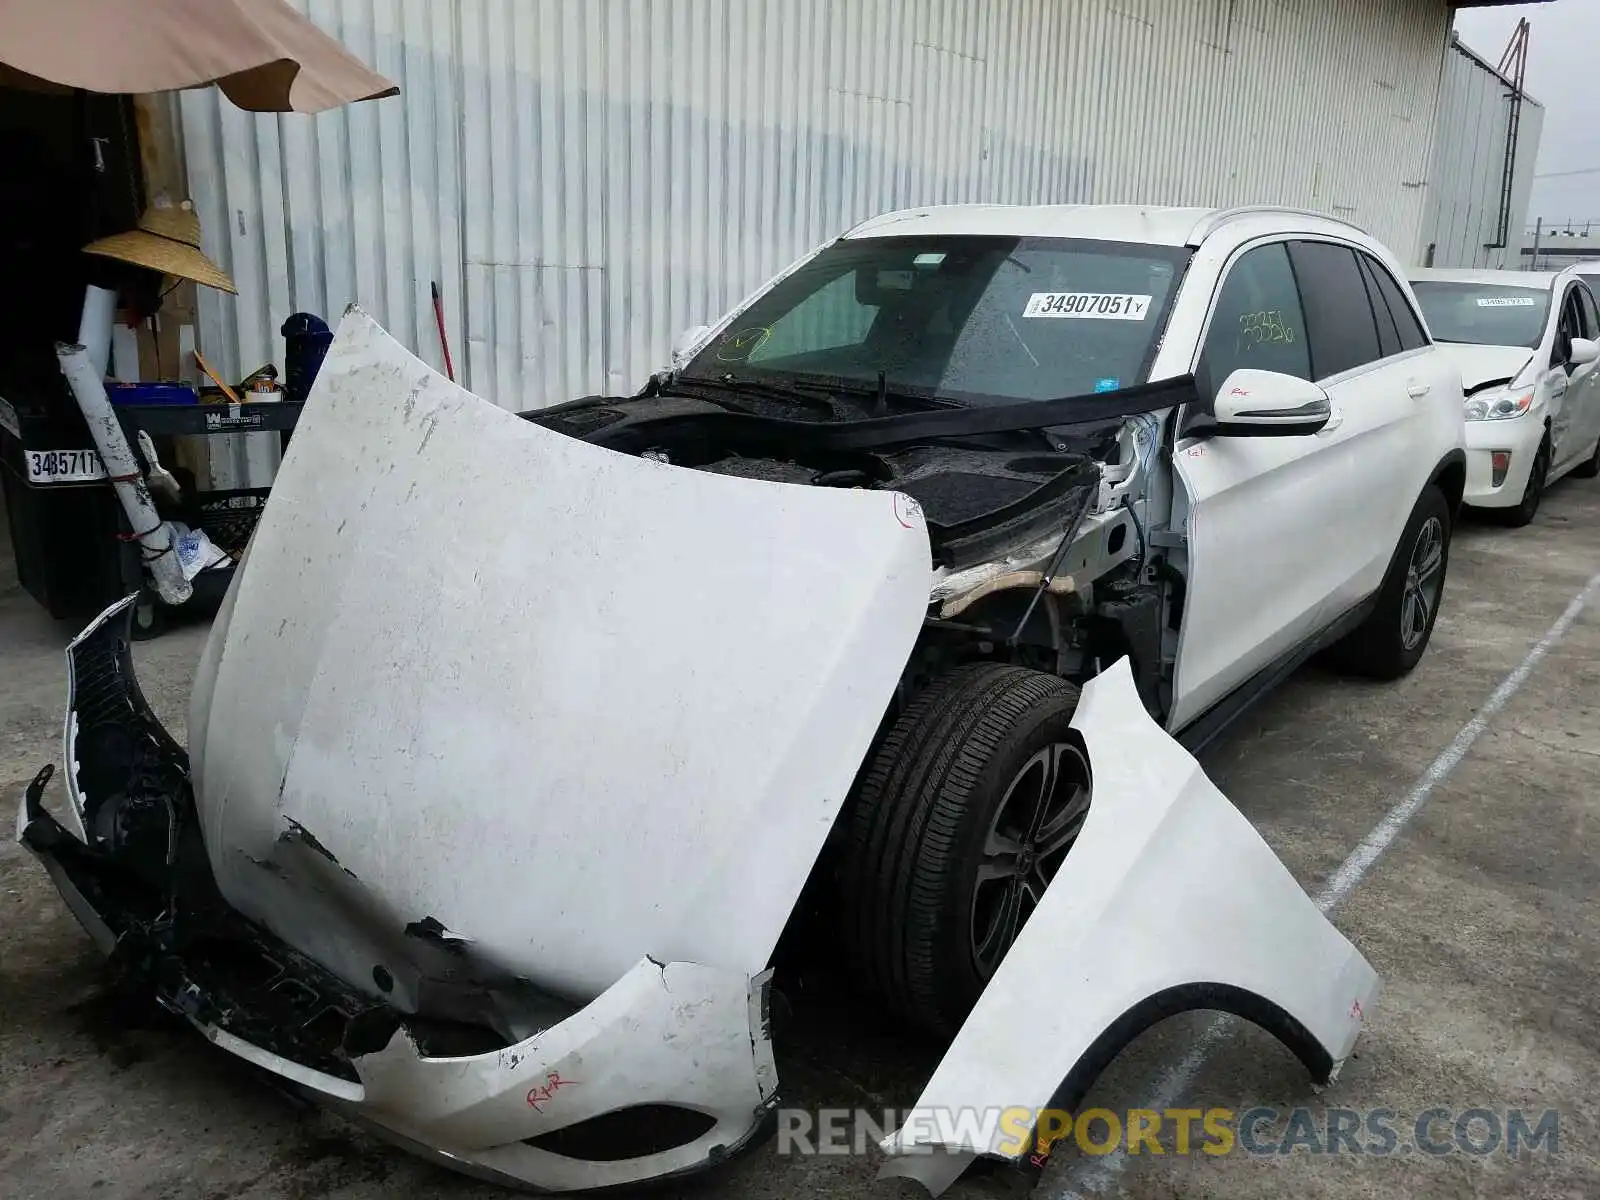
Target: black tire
<point>1391,641</point>
<point>1590,467</point>
<point>1528,507</point>
<point>935,789</point>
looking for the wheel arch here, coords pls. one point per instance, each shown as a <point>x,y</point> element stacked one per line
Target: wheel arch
<point>1084,979</point>
<point>1189,997</point>
<point>1450,477</point>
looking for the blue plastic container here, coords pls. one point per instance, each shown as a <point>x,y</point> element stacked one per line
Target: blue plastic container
<point>152,393</point>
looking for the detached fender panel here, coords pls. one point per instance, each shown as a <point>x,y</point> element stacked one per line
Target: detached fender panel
<point>1169,901</point>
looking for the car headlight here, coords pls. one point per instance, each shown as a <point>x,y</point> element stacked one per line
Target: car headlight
<point>1498,406</point>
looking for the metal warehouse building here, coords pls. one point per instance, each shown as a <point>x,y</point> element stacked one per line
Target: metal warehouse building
<point>1482,166</point>
<point>585,178</point>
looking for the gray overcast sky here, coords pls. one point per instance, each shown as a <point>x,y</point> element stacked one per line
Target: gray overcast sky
<point>1562,62</point>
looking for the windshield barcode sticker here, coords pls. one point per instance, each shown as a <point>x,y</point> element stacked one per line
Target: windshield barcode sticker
<point>1097,306</point>
<point>1506,302</point>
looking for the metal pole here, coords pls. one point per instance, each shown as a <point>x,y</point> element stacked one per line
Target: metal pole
<point>1538,228</point>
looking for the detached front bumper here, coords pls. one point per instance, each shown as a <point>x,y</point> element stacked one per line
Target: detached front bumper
<point>1519,437</point>
<point>668,1071</point>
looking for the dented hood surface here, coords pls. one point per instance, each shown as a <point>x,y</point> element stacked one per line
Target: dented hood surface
<point>553,708</point>
<point>1480,365</point>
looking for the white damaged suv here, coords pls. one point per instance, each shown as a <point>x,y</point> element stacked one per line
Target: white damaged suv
<point>911,587</point>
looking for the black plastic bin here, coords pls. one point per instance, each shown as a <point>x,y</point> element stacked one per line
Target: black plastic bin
<point>64,536</point>
<point>71,541</point>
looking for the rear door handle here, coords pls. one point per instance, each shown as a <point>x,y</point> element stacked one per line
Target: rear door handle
<point>1418,390</point>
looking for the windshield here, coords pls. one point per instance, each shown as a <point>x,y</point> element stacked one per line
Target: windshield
<point>974,320</point>
<point>1485,314</point>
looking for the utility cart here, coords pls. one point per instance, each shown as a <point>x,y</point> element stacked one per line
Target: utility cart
<point>74,547</point>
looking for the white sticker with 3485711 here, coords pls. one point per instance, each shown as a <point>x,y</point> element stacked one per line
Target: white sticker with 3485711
<point>1092,306</point>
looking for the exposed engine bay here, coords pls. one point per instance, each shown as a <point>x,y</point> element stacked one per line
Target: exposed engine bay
<point>976,500</point>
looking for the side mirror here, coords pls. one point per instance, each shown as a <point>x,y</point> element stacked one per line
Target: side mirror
<point>1583,351</point>
<point>686,342</point>
<point>1255,403</point>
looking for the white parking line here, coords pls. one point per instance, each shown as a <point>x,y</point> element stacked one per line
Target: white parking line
<point>1094,1176</point>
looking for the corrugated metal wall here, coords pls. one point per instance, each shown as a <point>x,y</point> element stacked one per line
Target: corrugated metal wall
<point>588,177</point>
<point>1469,166</point>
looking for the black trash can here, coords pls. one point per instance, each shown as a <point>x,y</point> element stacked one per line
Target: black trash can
<point>306,338</point>
<point>67,529</point>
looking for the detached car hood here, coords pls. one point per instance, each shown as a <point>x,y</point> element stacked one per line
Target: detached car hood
<point>1482,365</point>
<point>483,690</point>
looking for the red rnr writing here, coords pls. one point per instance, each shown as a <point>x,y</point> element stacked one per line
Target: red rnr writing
<point>552,1084</point>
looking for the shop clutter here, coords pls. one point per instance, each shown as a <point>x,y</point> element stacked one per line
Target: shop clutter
<point>158,532</point>
<point>127,463</point>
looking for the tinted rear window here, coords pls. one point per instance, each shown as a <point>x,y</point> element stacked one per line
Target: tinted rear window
<point>1388,333</point>
<point>1405,318</point>
<point>1339,321</point>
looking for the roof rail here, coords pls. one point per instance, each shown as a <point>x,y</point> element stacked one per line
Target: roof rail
<point>1210,224</point>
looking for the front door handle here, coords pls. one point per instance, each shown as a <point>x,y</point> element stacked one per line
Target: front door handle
<point>1418,390</point>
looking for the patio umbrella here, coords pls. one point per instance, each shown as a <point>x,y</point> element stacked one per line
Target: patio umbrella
<point>265,56</point>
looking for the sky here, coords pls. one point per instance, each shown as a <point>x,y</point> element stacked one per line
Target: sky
<point>1563,56</point>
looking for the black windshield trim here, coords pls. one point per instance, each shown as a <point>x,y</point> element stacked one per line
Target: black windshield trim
<point>882,433</point>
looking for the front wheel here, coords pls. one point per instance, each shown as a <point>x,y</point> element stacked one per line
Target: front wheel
<point>1391,641</point>
<point>965,812</point>
<point>1528,506</point>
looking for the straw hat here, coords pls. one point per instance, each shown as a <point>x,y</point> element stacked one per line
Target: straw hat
<point>167,240</point>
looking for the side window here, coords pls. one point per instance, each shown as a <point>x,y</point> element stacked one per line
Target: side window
<point>1257,323</point>
<point>1594,294</point>
<point>1569,326</point>
<point>1400,310</point>
<point>1340,326</point>
<point>1591,315</point>
<point>1388,334</point>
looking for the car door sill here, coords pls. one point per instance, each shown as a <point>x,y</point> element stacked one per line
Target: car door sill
<point>1205,729</point>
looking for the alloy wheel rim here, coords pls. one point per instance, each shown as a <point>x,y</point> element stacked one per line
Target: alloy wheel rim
<point>1035,824</point>
<point>1424,581</point>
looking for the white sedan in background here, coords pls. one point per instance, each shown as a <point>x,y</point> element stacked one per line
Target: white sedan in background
<point>1526,345</point>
